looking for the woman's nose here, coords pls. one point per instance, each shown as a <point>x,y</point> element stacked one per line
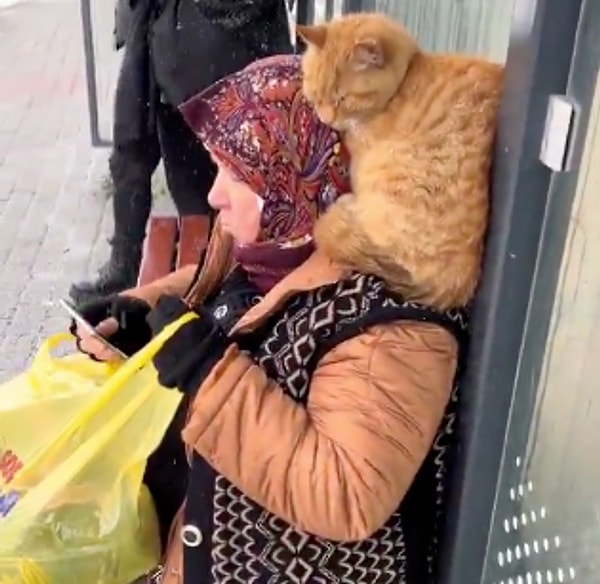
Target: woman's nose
<point>217,197</point>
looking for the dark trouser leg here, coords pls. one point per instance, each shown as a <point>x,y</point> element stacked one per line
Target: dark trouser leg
<point>188,168</point>
<point>131,167</point>
<point>134,157</point>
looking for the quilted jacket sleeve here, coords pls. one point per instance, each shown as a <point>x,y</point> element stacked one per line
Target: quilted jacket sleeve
<point>339,467</point>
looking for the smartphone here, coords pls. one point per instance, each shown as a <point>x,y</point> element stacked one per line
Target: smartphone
<point>83,323</point>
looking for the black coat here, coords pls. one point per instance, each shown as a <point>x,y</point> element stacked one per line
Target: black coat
<point>176,48</point>
<point>196,42</point>
<point>167,471</point>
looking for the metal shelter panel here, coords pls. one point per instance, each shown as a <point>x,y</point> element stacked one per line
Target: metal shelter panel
<point>546,526</point>
<point>542,58</point>
<point>469,26</point>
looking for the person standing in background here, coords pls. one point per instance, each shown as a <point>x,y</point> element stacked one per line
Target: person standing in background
<point>173,50</point>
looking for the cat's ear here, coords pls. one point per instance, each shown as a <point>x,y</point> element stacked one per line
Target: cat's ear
<point>312,35</point>
<point>367,54</point>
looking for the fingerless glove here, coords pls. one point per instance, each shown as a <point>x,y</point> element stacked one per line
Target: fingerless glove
<point>130,313</point>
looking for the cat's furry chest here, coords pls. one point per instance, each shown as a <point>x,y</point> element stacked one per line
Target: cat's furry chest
<point>377,139</point>
<point>362,135</point>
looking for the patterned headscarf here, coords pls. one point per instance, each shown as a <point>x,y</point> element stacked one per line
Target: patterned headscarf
<point>258,123</point>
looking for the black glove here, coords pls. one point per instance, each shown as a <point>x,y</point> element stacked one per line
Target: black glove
<point>133,332</point>
<point>190,354</point>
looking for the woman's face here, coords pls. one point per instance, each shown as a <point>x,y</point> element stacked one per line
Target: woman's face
<point>237,204</point>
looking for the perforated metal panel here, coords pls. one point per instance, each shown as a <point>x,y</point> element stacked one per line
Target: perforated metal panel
<point>533,541</point>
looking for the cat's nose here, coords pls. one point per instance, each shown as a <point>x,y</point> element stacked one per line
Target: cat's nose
<point>326,114</point>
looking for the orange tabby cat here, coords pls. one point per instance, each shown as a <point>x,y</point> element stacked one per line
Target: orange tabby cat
<point>420,130</point>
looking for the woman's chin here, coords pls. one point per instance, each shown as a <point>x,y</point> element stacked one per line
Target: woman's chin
<point>225,225</point>
<point>231,230</point>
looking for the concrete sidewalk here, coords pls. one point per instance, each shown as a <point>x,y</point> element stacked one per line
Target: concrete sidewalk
<point>53,219</point>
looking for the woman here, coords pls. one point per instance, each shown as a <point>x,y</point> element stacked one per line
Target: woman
<point>313,414</point>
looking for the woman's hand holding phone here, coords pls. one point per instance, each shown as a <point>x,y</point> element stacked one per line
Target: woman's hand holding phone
<point>111,328</point>
<point>97,344</point>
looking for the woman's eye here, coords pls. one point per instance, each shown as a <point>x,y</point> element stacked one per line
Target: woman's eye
<point>236,178</point>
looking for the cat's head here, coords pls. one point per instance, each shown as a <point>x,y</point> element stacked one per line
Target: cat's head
<point>354,65</point>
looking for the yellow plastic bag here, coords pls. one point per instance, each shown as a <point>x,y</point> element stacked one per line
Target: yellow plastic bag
<point>74,439</point>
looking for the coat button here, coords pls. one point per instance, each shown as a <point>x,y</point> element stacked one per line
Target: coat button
<point>221,311</point>
<point>191,536</point>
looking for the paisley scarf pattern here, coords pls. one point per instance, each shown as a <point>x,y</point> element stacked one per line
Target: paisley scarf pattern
<point>259,124</point>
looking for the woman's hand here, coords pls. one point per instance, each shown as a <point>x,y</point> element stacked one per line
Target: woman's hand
<point>89,343</point>
<point>190,354</point>
<point>120,319</point>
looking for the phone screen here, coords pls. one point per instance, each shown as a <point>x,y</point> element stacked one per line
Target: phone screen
<point>82,322</point>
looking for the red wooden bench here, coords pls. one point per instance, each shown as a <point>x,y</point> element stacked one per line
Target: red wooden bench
<point>172,243</point>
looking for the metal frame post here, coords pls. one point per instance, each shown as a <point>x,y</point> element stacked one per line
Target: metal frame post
<point>90,74</point>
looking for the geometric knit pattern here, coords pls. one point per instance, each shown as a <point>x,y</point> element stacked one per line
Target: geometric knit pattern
<point>251,545</point>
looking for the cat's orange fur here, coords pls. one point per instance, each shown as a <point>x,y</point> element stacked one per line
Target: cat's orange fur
<point>420,129</point>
